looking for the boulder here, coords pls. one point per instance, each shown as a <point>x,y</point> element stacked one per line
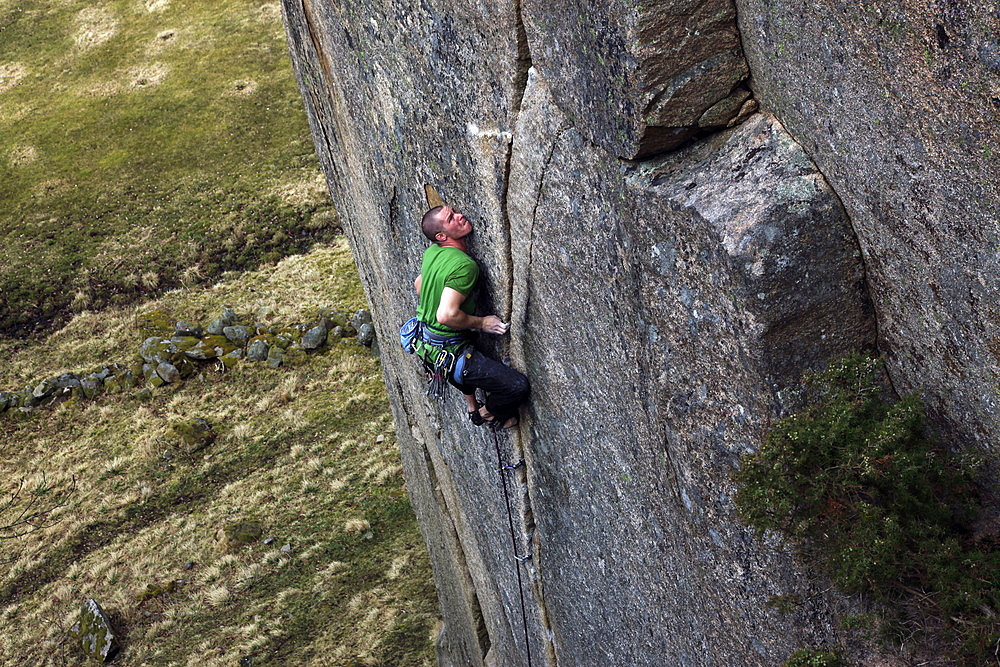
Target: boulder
<point>210,347</point>
<point>366,334</point>
<point>90,386</point>
<point>275,356</point>
<point>168,372</point>
<point>44,389</point>
<point>217,326</point>
<point>360,318</point>
<point>192,434</point>
<point>238,334</point>
<point>257,350</point>
<point>185,330</point>
<point>94,633</point>
<point>155,349</point>
<point>314,338</point>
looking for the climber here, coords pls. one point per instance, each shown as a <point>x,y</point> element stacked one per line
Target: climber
<point>446,320</point>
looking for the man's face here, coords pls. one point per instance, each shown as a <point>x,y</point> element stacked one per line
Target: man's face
<point>453,223</point>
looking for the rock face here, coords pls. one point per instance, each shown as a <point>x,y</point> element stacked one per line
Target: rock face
<point>667,279</point>
<point>899,103</point>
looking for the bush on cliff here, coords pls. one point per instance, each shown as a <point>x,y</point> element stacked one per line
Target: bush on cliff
<point>857,485</point>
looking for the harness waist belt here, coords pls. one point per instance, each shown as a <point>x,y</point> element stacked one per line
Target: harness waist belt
<point>433,338</point>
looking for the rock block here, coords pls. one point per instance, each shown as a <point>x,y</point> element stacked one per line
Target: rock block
<point>94,632</point>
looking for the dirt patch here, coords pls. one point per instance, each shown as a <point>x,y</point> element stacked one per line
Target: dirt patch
<point>94,26</point>
<point>141,77</point>
<point>22,155</point>
<point>242,88</point>
<point>146,76</point>
<point>11,74</point>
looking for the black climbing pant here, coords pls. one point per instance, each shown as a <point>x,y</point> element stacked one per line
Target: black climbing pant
<point>506,389</point>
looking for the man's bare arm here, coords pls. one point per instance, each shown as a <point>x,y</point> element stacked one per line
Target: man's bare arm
<point>416,283</point>
<point>450,314</point>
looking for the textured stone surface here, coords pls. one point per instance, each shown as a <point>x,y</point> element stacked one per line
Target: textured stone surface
<point>660,308</point>
<point>94,633</point>
<point>899,103</point>
<point>637,78</point>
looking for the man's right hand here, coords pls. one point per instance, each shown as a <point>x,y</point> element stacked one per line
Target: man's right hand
<point>494,325</point>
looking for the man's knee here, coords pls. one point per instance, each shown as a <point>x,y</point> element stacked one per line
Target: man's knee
<point>520,387</point>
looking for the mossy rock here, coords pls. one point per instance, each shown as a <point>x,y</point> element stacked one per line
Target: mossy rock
<point>230,360</point>
<point>210,347</point>
<point>156,381</point>
<point>94,633</point>
<point>156,590</point>
<point>155,350</point>
<point>185,343</point>
<point>155,323</point>
<point>242,533</point>
<point>192,434</point>
<point>144,395</point>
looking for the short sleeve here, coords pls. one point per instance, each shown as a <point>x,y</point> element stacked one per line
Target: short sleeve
<point>463,278</point>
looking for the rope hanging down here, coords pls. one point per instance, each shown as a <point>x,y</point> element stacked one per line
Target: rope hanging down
<point>513,540</point>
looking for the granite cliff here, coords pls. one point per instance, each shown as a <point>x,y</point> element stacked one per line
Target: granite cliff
<point>680,207</point>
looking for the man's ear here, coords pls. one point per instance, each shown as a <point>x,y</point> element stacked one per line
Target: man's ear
<point>440,236</point>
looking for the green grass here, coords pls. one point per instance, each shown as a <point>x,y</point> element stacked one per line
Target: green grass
<point>297,450</point>
<point>145,145</point>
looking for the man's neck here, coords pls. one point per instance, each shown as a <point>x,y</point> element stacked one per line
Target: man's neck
<point>455,243</point>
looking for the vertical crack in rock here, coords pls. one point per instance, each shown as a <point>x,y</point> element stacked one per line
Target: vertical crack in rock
<point>329,80</point>
<point>461,560</point>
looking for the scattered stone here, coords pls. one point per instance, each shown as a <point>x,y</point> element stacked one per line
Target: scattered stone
<point>238,334</point>
<point>314,338</point>
<point>183,329</point>
<point>380,439</point>
<point>361,317</point>
<point>145,394</point>
<point>275,357</point>
<point>90,386</point>
<point>265,313</point>
<point>337,332</point>
<point>230,315</point>
<point>5,400</point>
<point>155,349</point>
<point>230,360</point>
<point>258,350</point>
<point>287,549</point>
<point>217,326</point>
<point>93,631</point>
<point>193,434</point>
<point>189,565</point>
<point>366,334</point>
<point>168,372</point>
<point>210,347</point>
<point>269,541</point>
<point>44,389</point>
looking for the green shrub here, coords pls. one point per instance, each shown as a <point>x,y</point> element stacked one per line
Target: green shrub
<point>856,484</point>
<point>814,658</point>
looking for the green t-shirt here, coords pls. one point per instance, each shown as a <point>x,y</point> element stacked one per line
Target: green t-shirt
<point>445,267</point>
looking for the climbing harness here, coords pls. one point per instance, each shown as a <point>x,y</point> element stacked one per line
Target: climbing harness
<point>513,538</point>
<point>414,334</point>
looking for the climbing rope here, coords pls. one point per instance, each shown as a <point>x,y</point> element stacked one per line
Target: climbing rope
<point>513,539</point>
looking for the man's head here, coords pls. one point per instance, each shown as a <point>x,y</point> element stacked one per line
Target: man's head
<point>443,223</point>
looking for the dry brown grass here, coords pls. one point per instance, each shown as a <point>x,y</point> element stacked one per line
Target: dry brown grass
<point>234,601</point>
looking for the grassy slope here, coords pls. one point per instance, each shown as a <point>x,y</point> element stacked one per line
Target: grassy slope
<point>145,144</point>
<point>153,144</point>
<point>297,449</point>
